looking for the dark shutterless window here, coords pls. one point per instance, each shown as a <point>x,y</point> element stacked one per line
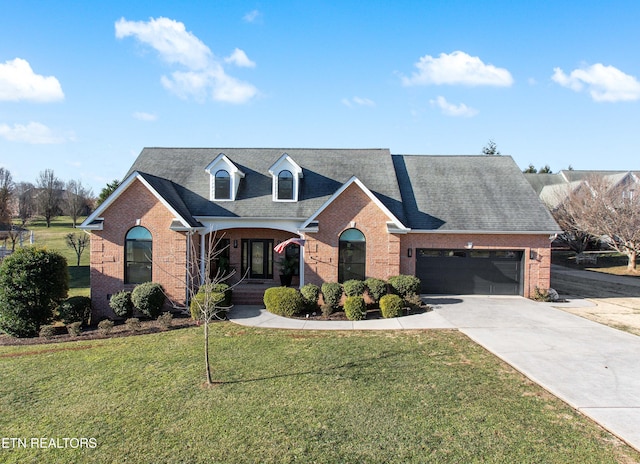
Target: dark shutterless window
<point>352,256</point>
<point>222,185</point>
<point>138,256</point>
<point>285,185</point>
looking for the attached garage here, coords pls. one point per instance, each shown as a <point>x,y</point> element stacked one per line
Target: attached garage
<point>468,272</point>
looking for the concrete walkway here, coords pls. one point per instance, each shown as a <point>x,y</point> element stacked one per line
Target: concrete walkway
<point>594,368</point>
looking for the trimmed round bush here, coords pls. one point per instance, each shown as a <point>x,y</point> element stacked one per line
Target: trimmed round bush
<point>377,288</point>
<point>209,304</point>
<point>331,293</point>
<point>354,287</point>
<point>133,324</point>
<point>33,282</point>
<point>148,298</point>
<point>75,309</point>
<point>391,306</point>
<point>283,301</point>
<point>47,331</point>
<point>105,326</point>
<point>355,308</point>
<point>219,288</point>
<point>404,285</point>
<point>121,304</point>
<point>310,293</point>
<point>75,328</point>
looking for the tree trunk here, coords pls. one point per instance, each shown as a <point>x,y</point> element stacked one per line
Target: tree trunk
<point>631,264</point>
<point>206,352</point>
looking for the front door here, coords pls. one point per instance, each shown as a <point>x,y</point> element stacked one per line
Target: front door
<point>258,258</point>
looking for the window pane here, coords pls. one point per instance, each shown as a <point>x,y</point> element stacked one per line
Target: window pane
<point>352,257</point>
<point>138,256</point>
<point>285,186</point>
<point>222,185</point>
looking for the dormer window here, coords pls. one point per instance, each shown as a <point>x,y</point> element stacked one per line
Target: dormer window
<point>285,185</point>
<point>286,176</point>
<point>222,186</point>
<point>224,179</point>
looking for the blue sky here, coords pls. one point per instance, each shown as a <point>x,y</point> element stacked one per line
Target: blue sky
<point>84,86</point>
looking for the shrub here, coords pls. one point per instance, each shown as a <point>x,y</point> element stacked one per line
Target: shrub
<point>413,300</point>
<point>75,309</point>
<point>327,310</point>
<point>121,304</point>
<point>404,285</point>
<point>283,301</point>
<point>377,288</point>
<point>219,288</point>
<point>331,293</point>
<point>33,282</point>
<point>310,293</point>
<point>148,298</point>
<point>165,319</point>
<point>391,306</point>
<point>354,308</point>
<point>105,326</point>
<point>133,324</point>
<point>47,331</point>
<point>207,305</point>
<point>544,295</point>
<point>75,328</point>
<point>354,287</point>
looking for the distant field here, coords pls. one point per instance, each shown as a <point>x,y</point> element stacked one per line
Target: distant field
<point>54,239</point>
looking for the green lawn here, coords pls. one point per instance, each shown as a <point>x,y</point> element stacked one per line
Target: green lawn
<point>54,239</point>
<point>288,396</point>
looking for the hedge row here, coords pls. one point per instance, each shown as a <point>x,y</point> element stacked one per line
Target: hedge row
<point>148,298</point>
<point>286,301</point>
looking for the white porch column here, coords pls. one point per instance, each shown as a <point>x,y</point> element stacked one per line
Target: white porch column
<point>301,264</point>
<point>202,258</point>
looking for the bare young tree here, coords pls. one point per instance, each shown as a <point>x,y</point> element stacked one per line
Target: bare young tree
<point>78,243</point>
<point>203,279</point>
<point>49,196</point>
<point>612,212</point>
<point>77,198</point>
<point>24,195</point>
<point>6,192</point>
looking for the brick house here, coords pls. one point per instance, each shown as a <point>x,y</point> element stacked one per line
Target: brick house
<point>463,224</point>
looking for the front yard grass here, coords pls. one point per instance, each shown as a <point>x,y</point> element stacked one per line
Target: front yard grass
<point>288,396</point>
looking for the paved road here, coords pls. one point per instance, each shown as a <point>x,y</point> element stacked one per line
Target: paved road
<point>591,284</point>
<point>592,367</point>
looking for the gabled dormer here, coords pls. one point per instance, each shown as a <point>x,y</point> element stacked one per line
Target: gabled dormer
<point>224,179</point>
<point>286,175</point>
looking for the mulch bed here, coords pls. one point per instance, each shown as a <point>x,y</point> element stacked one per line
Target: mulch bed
<point>120,329</point>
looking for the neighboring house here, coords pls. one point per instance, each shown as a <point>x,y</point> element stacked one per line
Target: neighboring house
<point>553,189</point>
<point>462,224</point>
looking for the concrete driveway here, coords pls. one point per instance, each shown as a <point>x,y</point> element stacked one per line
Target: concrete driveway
<point>594,368</point>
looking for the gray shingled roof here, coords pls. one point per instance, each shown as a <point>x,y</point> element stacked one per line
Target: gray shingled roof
<point>445,193</point>
<point>474,193</point>
<point>324,171</point>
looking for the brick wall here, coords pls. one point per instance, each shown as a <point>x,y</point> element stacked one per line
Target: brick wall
<point>352,209</point>
<point>107,248</point>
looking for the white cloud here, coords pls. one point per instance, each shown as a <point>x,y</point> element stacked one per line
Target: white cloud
<point>358,101</point>
<point>142,116</point>
<point>19,82</point>
<point>450,109</point>
<point>604,83</point>
<point>205,76</point>
<point>240,58</point>
<point>251,16</point>
<point>458,68</point>
<point>33,133</point>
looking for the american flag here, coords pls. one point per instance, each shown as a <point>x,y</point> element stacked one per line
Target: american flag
<point>279,248</point>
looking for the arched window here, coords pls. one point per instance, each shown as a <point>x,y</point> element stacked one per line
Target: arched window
<point>352,255</point>
<point>138,256</point>
<point>285,185</point>
<point>222,185</point>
